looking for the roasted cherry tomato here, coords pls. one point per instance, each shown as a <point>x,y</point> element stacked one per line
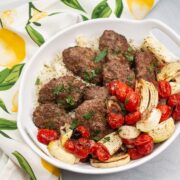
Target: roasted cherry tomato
<point>134,154</point>
<point>176,113</point>
<point>132,118</point>
<point>165,110</point>
<point>69,146</point>
<point>82,148</point>
<point>84,131</point>
<point>102,153</point>
<point>45,136</point>
<point>122,90</point>
<point>145,149</point>
<point>174,100</point>
<point>164,89</point>
<point>129,141</point>
<point>132,101</point>
<point>115,120</point>
<point>112,86</point>
<point>143,139</point>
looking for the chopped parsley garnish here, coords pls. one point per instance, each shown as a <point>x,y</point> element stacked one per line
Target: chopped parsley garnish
<point>126,101</point>
<point>94,135</point>
<point>130,49</point>
<point>37,81</point>
<point>106,139</point>
<point>74,124</point>
<point>128,55</point>
<point>101,55</point>
<point>130,78</point>
<point>89,76</point>
<point>58,89</point>
<point>88,115</point>
<point>70,101</point>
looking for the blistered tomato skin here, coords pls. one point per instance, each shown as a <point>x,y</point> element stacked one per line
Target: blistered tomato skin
<point>84,131</point>
<point>122,90</point>
<point>176,113</point>
<point>143,139</point>
<point>45,136</point>
<point>132,118</point>
<point>164,89</point>
<point>174,100</point>
<point>132,101</point>
<point>101,152</point>
<point>69,146</point>
<point>134,154</point>
<point>112,87</point>
<point>115,120</point>
<point>145,149</point>
<point>165,110</point>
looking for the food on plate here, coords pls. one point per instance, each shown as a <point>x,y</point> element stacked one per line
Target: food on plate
<point>109,105</point>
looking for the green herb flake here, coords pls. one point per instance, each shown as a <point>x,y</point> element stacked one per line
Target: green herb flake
<point>126,101</point>
<point>100,56</point>
<point>58,89</point>
<point>94,135</point>
<point>70,101</point>
<point>106,139</point>
<point>37,81</point>
<point>129,57</point>
<point>130,49</point>
<point>74,124</point>
<point>130,78</point>
<point>89,76</point>
<point>88,115</point>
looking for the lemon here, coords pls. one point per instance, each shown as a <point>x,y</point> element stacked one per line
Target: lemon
<point>140,8</point>
<point>12,48</point>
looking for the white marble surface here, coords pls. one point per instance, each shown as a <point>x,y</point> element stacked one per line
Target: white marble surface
<point>167,165</point>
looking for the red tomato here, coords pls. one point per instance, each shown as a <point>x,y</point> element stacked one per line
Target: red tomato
<point>143,139</point>
<point>102,153</point>
<point>128,141</point>
<point>115,120</point>
<point>112,86</point>
<point>132,101</point>
<point>176,113</point>
<point>69,146</point>
<point>93,146</point>
<point>174,100</point>
<point>84,131</point>
<point>145,149</point>
<point>165,110</point>
<point>164,89</point>
<point>82,148</point>
<point>134,154</point>
<point>132,118</point>
<point>45,136</point>
<point>122,90</point>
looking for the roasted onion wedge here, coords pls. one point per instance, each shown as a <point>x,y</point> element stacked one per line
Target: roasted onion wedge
<point>115,161</point>
<point>56,150</point>
<point>112,142</point>
<point>169,71</point>
<point>175,87</point>
<point>149,120</point>
<point>128,132</point>
<point>162,54</point>
<point>163,131</point>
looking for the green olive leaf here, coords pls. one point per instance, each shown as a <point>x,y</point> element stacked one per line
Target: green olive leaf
<point>35,35</point>
<point>102,10</point>
<point>3,106</point>
<point>6,124</point>
<point>9,77</point>
<point>24,165</point>
<point>4,134</point>
<point>84,18</point>
<point>119,8</point>
<point>3,74</point>
<point>73,4</point>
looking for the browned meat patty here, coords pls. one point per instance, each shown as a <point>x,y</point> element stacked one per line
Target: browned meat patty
<point>50,116</point>
<point>66,91</point>
<point>118,69</point>
<point>80,60</point>
<point>92,114</point>
<point>95,92</point>
<point>145,66</point>
<point>113,41</point>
